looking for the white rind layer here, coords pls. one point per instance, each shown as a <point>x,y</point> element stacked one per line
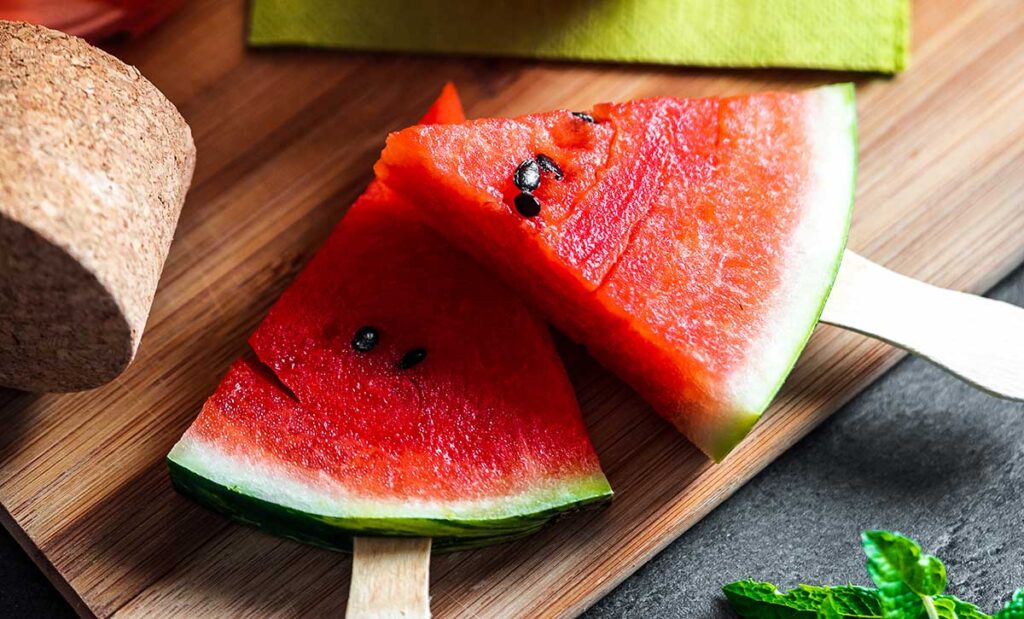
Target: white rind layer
<point>812,258</point>
<point>283,485</point>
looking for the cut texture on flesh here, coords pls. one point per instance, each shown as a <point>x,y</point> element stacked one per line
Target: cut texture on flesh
<point>690,245</point>
<point>479,442</point>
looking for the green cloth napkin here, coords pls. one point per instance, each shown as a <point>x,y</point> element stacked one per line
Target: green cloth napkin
<point>857,35</point>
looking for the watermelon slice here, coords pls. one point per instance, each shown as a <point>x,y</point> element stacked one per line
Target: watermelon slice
<point>399,390</point>
<point>689,244</point>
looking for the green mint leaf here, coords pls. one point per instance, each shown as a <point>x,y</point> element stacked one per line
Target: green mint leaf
<point>852,601</point>
<point>828,608</point>
<point>903,604</point>
<point>1014,609</point>
<point>894,559</point>
<point>949,607</point>
<point>761,600</point>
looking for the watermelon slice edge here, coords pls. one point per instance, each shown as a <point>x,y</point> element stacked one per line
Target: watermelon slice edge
<point>836,175</point>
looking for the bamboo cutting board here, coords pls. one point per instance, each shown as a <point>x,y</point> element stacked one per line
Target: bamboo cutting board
<point>286,140</point>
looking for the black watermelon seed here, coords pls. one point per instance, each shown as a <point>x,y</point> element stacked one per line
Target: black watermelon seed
<point>366,339</point>
<point>412,357</point>
<point>527,204</point>
<point>548,164</point>
<point>527,176</point>
<point>584,116</point>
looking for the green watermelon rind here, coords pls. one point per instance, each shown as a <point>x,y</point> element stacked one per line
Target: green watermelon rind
<point>733,433</point>
<point>336,533</point>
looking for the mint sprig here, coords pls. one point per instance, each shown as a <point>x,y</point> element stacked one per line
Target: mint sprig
<point>910,585</point>
<point>907,579</point>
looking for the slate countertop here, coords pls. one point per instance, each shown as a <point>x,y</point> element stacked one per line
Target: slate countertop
<point>919,452</point>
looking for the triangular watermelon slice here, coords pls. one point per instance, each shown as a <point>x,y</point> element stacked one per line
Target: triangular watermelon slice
<point>690,244</point>
<point>403,390</point>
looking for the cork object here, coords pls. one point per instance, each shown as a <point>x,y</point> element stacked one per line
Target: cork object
<point>94,167</point>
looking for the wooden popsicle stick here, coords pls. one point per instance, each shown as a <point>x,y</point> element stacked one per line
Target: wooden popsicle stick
<point>980,340</point>
<point>390,578</point>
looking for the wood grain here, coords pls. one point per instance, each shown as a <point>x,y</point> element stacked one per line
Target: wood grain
<point>390,578</point>
<point>287,138</point>
<point>980,340</point>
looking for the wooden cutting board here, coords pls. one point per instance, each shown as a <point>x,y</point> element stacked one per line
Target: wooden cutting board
<point>286,139</point>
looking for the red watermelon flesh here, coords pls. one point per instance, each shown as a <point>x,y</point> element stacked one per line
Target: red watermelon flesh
<point>690,243</point>
<point>481,439</point>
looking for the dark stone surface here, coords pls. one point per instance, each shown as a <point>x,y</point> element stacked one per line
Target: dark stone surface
<point>918,452</point>
<point>24,591</point>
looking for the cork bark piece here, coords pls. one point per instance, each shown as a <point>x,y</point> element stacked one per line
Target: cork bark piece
<point>94,167</point>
